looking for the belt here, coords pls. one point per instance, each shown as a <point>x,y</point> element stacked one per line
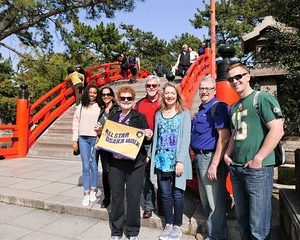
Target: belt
<point>204,151</point>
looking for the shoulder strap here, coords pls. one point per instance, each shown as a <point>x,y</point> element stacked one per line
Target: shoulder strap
<point>213,108</point>
<point>256,105</point>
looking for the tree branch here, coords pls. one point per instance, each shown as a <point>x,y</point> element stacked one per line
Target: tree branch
<point>16,52</point>
<point>17,27</point>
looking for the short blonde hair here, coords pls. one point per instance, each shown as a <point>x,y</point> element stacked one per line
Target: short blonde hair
<point>235,65</point>
<point>179,105</point>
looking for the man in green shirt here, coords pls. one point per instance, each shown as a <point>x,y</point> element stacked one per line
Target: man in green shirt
<point>250,155</point>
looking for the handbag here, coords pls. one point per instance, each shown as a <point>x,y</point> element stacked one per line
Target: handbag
<point>75,153</point>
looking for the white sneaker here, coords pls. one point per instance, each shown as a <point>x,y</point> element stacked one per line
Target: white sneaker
<point>164,235</point>
<point>93,197</point>
<point>86,200</point>
<point>175,233</point>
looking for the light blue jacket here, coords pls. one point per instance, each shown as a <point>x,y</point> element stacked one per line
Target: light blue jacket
<point>182,149</point>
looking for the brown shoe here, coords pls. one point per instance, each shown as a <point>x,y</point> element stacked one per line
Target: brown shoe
<point>147,214</point>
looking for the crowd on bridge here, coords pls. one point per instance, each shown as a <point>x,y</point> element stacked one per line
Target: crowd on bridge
<point>217,140</point>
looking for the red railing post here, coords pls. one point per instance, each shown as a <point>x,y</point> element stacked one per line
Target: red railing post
<point>22,121</point>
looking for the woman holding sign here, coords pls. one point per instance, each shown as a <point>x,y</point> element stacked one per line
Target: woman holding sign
<point>84,137</point>
<point>108,107</point>
<point>170,158</point>
<point>126,175</point>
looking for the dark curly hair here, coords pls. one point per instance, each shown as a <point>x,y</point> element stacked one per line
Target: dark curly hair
<point>102,104</point>
<point>85,96</point>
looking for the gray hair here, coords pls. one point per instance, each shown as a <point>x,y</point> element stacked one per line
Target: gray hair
<point>150,77</point>
<point>209,79</point>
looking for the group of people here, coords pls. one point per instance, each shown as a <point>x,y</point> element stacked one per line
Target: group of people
<point>238,135</point>
<point>185,59</point>
<point>129,63</point>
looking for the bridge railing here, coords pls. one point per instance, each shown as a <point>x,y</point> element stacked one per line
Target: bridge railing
<point>32,121</point>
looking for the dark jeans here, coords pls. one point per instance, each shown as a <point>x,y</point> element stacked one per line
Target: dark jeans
<point>134,72</point>
<point>128,222</point>
<point>149,193</point>
<point>105,170</point>
<point>252,192</point>
<point>172,200</point>
<point>182,70</point>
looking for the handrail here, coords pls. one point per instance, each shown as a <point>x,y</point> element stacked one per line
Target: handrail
<point>190,83</point>
<point>33,120</point>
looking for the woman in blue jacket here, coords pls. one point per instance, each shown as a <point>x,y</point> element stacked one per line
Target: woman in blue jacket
<point>170,158</point>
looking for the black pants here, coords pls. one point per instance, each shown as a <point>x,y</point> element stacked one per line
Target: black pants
<point>105,170</point>
<point>182,69</point>
<point>129,181</point>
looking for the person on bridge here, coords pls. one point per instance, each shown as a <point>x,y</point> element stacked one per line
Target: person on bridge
<point>250,155</point>
<point>77,80</point>
<point>183,61</point>
<point>84,120</point>
<point>125,175</point>
<point>123,65</point>
<point>193,55</point>
<point>149,106</point>
<point>108,106</point>
<point>210,135</point>
<point>134,67</point>
<point>170,158</point>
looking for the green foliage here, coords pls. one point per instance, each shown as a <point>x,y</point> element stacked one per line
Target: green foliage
<point>43,74</point>
<point>30,20</point>
<point>8,92</point>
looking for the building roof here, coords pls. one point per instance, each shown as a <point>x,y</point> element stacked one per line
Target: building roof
<point>249,39</point>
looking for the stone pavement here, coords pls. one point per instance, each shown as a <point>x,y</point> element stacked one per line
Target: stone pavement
<point>52,185</point>
<point>24,223</point>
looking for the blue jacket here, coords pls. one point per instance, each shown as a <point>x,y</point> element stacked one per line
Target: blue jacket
<point>182,149</point>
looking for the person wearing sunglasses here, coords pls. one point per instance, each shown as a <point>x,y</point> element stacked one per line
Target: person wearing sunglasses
<point>250,154</point>
<point>170,159</point>
<point>149,106</point>
<point>108,106</point>
<point>84,136</point>
<point>126,175</point>
<point>209,138</point>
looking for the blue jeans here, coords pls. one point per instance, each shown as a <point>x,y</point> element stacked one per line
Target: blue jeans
<point>212,195</point>
<point>252,191</point>
<point>172,199</point>
<point>89,163</point>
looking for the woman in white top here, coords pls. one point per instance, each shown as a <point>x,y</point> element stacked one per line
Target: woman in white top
<point>84,120</point>
<point>193,55</point>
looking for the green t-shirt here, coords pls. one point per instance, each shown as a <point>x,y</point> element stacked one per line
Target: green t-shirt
<point>249,129</point>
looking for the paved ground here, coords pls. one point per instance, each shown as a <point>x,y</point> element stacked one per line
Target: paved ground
<point>24,223</point>
<point>51,185</point>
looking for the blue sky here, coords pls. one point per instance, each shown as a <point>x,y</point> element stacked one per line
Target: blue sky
<point>165,18</point>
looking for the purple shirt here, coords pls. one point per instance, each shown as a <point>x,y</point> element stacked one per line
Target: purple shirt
<point>204,125</point>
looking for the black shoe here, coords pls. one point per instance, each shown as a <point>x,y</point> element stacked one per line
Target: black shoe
<point>105,203</point>
<point>147,214</point>
<point>131,81</point>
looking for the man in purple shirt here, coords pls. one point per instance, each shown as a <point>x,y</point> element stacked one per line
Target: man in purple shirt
<point>210,135</point>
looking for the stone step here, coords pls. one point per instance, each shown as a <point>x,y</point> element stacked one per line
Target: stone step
<point>286,174</point>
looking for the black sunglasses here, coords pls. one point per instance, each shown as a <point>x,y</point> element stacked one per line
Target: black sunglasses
<point>236,77</point>
<point>151,85</point>
<point>129,99</point>
<point>106,94</point>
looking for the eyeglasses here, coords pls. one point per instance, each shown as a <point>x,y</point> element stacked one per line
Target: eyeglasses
<point>106,95</point>
<point>206,89</point>
<point>151,85</point>
<point>236,77</point>
<point>129,99</point>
